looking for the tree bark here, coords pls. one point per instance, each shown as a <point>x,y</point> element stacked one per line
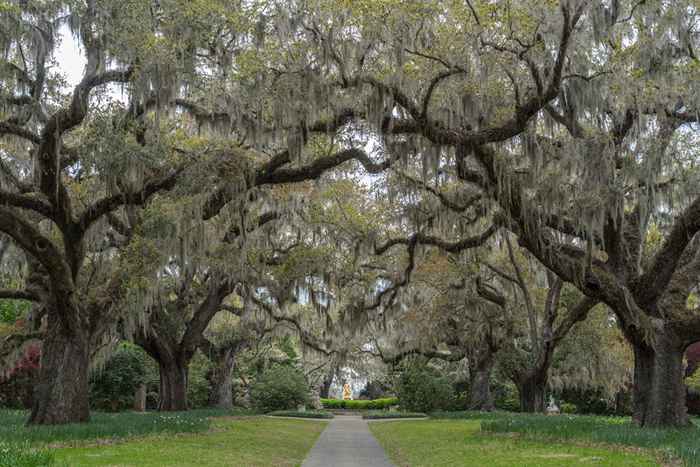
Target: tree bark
<point>480,397</point>
<point>325,389</point>
<point>659,392</point>
<point>531,389</point>
<point>173,385</point>
<point>221,395</point>
<point>62,393</point>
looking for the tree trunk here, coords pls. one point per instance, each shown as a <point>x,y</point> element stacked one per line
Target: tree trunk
<point>140,398</point>
<point>480,397</point>
<point>325,389</point>
<point>221,395</point>
<point>531,390</point>
<point>659,392</point>
<point>173,386</point>
<point>62,391</point>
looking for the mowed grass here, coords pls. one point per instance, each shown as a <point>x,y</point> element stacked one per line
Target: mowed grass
<point>461,443</point>
<point>246,441</point>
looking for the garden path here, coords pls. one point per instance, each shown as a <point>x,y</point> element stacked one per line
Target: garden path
<point>347,442</point>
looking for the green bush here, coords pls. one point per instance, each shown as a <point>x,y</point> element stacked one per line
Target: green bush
<point>421,388</point>
<point>505,397</point>
<point>281,387</point>
<point>376,404</point>
<point>22,455</point>
<point>390,415</point>
<point>569,408</point>
<point>113,387</point>
<point>300,414</point>
<point>198,386</point>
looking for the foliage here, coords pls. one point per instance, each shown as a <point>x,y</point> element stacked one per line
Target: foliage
<point>12,310</point>
<point>421,388</point>
<point>568,408</point>
<point>112,387</point>
<point>301,413</point>
<point>23,455</point>
<point>250,441</point>
<point>681,443</point>
<point>281,387</point>
<point>376,404</point>
<point>505,396</point>
<point>17,383</point>
<point>198,386</point>
<point>106,426</point>
<point>381,415</point>
<point>460,442</point>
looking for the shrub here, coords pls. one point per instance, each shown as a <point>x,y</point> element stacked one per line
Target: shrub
<point>198,385</point>
<point>280,388</point>
<point>505,397</point>
<point>421,388</point>
<point>17,383</point>
<point>377,404</point>
<point>112,388</point>
<point>389,415</point>
<point>569,408</point>
<point>22,455</point>
<point>300,414</point>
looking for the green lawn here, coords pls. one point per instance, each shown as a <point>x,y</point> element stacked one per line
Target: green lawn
<point>248,441</point>
<point>461,443</point>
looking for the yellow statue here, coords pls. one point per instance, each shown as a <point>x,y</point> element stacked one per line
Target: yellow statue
<point>347,392</point>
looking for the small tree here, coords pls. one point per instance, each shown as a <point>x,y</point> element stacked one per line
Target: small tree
<point>281,387</point>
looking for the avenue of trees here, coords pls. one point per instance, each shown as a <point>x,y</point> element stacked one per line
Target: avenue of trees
<point>494,188</point>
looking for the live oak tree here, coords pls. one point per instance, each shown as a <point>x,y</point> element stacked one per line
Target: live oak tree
<point>573,120</point>
<point>540,316</point>
<point>161,55</point>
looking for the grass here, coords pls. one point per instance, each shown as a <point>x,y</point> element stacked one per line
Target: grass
<point>683,444</point>
<point>249,441</point>
<point>460,442</point>
<point>24,455</point>
<point>13,427</point>
<point>299,414</point>
<point>383,415</point>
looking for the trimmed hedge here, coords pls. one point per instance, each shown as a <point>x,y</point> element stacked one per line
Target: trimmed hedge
<point>377,404</point>
<point>299,414</point>
<point>390,415</point>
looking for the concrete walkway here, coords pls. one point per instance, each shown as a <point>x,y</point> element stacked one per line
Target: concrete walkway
<point>347,442</point>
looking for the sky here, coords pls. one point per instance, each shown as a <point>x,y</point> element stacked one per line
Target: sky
<point>70,58</point>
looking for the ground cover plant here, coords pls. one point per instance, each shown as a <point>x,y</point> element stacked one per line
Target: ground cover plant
<point>107,426</point>
<point>678,443</point>
<point>249,441</point>
<point>461,443</point>
<point>24,455</point>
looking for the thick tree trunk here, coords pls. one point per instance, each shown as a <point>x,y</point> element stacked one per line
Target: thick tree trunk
<point>221,395</point>
<point>659,392</point>
<point>173,385</point>
<point>480,397</point>
<point>532,388</point>
<point>62,392</point>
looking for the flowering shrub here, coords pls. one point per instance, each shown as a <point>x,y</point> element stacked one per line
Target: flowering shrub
<point>17,382</point>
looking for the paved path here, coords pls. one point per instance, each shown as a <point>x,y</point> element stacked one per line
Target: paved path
<point>347,442</point>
